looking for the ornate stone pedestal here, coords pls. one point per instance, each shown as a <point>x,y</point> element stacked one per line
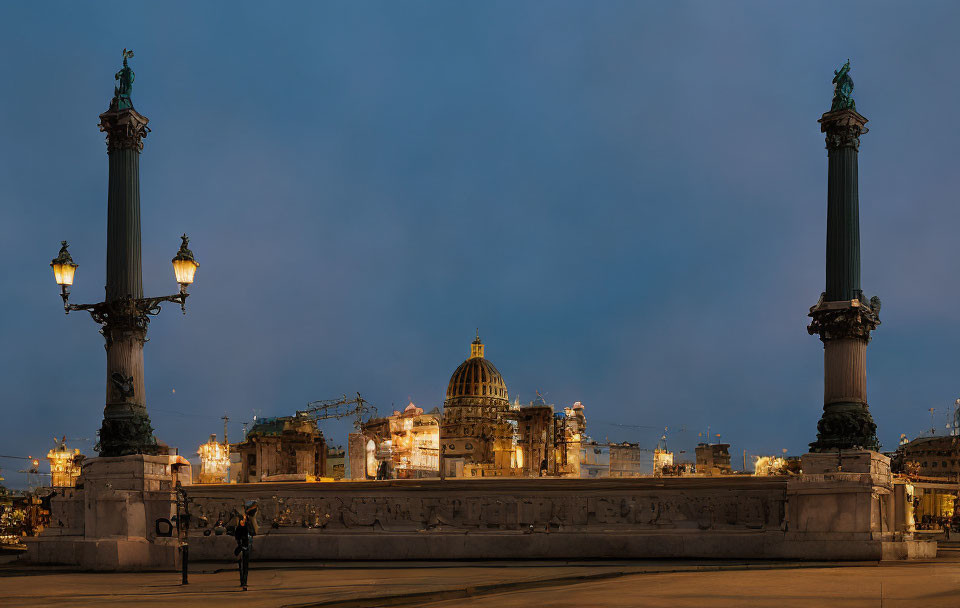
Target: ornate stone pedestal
<point>110,523</point>
<point>848,500</point>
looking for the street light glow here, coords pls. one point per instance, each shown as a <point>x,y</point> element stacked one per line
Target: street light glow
<point>63,266</point>
<point>184,265</point>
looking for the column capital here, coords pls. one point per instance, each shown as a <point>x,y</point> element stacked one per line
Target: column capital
<point>125,129</point>
<point>847,319</point>
<point>843,128</point>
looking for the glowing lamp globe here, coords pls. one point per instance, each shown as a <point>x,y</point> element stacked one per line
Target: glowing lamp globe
<point>63,267</point>
<point>184,265</point>
<point>184,270</point>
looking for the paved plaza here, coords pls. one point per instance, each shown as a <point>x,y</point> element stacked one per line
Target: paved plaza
<point>503,584</point>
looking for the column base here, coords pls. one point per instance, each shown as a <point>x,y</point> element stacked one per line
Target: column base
<point>845,426</point>
<point>126,434</point>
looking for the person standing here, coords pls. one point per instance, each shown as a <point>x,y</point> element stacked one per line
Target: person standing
<point>245,531</point>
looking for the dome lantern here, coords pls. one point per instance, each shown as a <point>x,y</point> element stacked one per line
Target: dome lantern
<point>476,347</point>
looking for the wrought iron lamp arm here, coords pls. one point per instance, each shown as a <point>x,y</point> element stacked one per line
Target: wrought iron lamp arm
<point>151,306</point>
<point>101,311</point>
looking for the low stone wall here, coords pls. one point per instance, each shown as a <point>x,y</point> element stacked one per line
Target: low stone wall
<point>831,515</point>
<point>729,517</point>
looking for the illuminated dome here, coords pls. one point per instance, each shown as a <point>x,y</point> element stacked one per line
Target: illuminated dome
<point>477,382</point>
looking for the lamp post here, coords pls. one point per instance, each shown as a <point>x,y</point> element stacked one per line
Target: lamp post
<point>125,313</point>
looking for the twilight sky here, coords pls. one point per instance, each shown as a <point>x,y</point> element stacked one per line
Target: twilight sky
<point>629,200</point>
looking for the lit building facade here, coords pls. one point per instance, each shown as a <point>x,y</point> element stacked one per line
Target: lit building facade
<point>286,448</point>
<point>549,443</point>
<point>573,431</point>
<point>630,460</point>
<point>64,465</point>
<point>408,442</point>
<point>932,464</point>
<point>713,458</point>
<point>214,461</point>
<point>937,457</point>
<point>662,459</point>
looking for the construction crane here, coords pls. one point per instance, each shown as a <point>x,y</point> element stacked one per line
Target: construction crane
<point>344,407</point>
<point>17,458</point>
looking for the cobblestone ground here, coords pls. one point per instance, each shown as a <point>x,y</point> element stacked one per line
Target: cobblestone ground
<point>502,584</point>
<point>912,585</point>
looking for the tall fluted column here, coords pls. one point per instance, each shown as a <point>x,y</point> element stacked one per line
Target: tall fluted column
<point>842,318</point>
<point>126,425</point>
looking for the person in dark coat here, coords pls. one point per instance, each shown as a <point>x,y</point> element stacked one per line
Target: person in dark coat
<point>244,532</point>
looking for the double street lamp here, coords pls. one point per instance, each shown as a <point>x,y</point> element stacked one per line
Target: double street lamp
<point>184,268</point>
<point>126,425</point>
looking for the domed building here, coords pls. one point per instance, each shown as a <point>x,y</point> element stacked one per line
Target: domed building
<point>477,384</point>
<point>476,438</point>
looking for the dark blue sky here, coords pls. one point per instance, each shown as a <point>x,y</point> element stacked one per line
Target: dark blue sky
<point>628,199</point>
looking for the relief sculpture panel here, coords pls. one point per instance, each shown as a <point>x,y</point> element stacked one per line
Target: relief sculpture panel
<point>322,509</point>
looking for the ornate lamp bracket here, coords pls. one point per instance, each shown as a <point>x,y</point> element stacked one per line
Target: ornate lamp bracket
<point>134,313</point>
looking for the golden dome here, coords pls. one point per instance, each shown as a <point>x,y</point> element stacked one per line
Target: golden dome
<point>477,382</point>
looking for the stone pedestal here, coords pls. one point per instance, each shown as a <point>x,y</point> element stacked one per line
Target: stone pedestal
<point>109,521</point>
<point>847,494</point>
<point>848,498</point>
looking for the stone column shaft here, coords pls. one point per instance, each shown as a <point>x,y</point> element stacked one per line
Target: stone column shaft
<point>843,226</point>
<point>126,425</point>
<point>844,371</point>
<point>842,318</point>
<point>124,274</point>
